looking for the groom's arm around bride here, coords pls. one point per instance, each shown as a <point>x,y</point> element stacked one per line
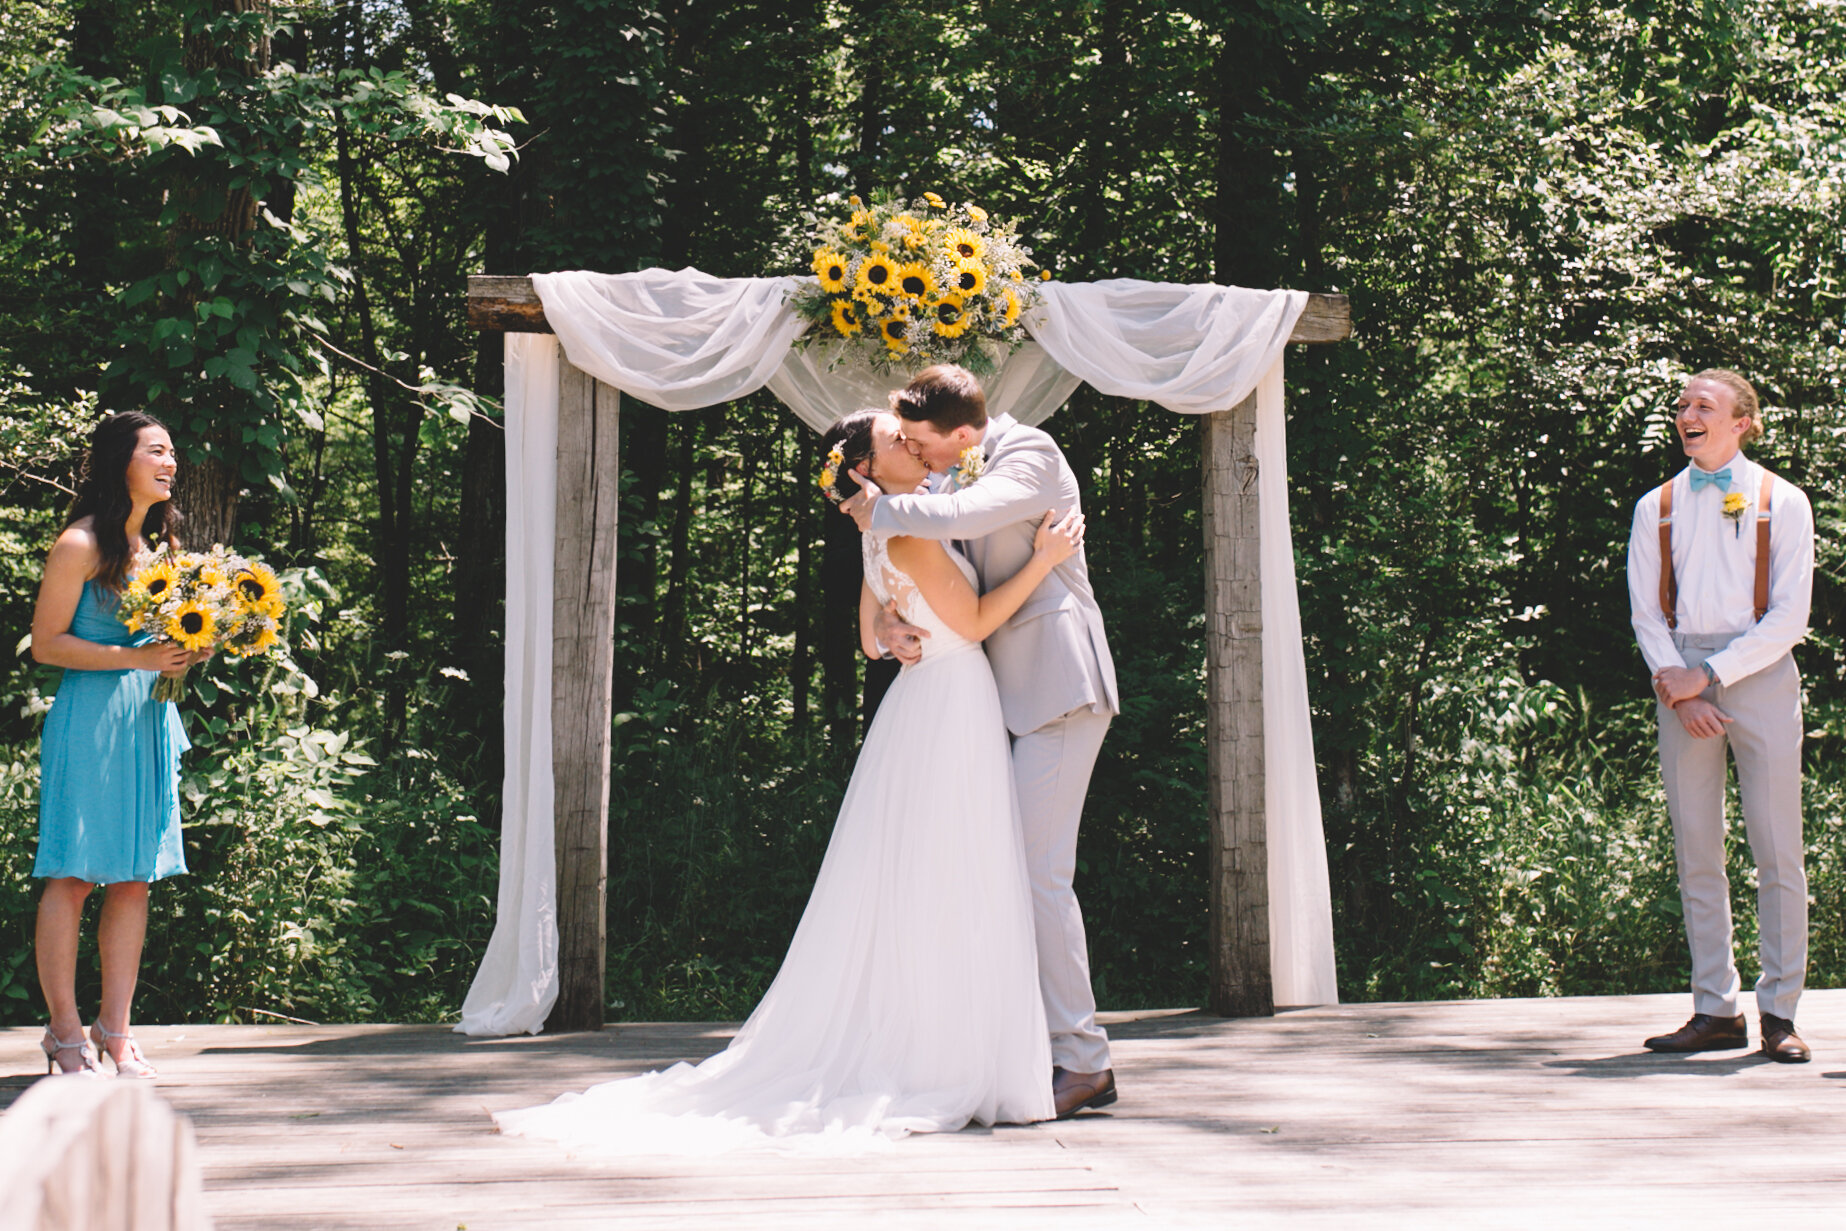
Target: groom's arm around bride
<point>1051,662</point>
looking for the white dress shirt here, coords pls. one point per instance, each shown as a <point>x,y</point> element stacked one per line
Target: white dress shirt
<point>1714,561</point>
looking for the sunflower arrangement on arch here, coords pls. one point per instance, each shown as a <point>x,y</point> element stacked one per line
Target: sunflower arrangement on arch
<point>204,600</point>
<point>918,282</point>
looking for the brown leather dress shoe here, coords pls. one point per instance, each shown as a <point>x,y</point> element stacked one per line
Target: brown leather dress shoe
<point>1075,1092</point>
<point>1780,1043</point>
<point>1703,1033</point>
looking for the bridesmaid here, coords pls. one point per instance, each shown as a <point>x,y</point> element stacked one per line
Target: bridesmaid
<point>109,760</point>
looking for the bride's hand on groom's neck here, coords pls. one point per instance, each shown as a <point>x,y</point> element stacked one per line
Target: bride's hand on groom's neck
<point>858,506</point>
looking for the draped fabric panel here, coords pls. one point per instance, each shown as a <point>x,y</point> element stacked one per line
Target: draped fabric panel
<point>517,983</point>
<point>682,340</point>
<point>1300,902</point>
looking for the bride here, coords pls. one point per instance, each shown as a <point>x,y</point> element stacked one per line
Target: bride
<point>908,1001</point>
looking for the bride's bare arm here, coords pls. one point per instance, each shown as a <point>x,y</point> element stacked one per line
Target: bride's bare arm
<point>868,617</point>
<point>947,591</point>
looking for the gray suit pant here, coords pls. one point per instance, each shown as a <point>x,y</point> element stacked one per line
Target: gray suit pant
<point>1765,741</point>
<point>1052,769</point>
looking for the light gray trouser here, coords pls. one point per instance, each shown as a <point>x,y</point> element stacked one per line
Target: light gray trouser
<point>1765,741</point>
<point>1052,769</point>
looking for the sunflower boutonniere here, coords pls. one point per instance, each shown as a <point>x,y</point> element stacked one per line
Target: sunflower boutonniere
<point>971,466</point>
<point>1734,505</point>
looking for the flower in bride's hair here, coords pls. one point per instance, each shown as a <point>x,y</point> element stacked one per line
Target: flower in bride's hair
<point>836,458</point>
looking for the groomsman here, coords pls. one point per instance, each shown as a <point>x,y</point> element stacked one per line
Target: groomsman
<point>1720,569</point>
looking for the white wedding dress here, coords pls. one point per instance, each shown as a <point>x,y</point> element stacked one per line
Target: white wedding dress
<point>908,1001</point>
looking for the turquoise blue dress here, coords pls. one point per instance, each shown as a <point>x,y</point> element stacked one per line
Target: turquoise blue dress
<point>109,766</point>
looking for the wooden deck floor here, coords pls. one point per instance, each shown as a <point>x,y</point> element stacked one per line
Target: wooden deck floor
<point>1511,1113</point>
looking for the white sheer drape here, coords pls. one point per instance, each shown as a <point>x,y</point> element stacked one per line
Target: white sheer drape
<point>682,340</point>
<point>518,980</point>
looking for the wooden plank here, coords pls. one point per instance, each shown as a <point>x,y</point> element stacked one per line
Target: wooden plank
<point>511,304</point>
<point>1354,1115</point>
<point>1240,984</point>
<point>582,663</point>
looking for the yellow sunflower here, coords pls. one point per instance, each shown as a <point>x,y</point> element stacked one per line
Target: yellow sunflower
<point>896,331</point>
<point>914,234</point>
<point>951,317</point>
<point>1010,317</point>
<point>916,281</point>
<point>193,626</point>
<point>133,622</point>
<point>970,277</point>
<point>855,228</point>
<point>964,244</point>
<point>260,644</point>
<point>830,268</point>
<point>156,581</point>
<point>877,274</point>
<point>258,590</point>
<point>845,318</point>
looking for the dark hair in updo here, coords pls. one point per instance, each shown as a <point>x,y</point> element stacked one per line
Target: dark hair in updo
<point>102,496</point>
<point>853,436</point>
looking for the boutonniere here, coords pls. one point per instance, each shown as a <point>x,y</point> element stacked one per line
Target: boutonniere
<point>971,466</point>
<point>1734,505</point>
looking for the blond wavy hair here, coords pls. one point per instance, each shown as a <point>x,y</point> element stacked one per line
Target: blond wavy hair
<point>1744,404</point>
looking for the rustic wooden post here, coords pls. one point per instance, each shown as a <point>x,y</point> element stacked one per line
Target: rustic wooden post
<point>1240,971</point>
<point>582,668</point>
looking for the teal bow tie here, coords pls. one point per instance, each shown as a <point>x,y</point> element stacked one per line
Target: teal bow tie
<point>1720,479</point>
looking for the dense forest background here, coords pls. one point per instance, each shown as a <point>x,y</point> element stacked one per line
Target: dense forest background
<point>256,220</point>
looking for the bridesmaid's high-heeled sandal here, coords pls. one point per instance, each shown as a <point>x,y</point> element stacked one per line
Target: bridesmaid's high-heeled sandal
<point>54,1047</point>
<point>131,1063</point>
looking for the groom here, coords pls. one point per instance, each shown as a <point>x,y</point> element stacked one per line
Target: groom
<point>1051,662</point>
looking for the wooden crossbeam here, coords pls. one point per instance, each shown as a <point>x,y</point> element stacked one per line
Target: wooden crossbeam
<point>510,305</point>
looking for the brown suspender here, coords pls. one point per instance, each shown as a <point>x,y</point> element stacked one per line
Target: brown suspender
<point>1762,545</point>
<point>1669,583</point>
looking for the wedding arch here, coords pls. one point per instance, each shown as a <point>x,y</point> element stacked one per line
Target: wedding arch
<point>682,340</point>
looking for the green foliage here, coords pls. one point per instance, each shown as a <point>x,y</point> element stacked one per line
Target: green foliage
<point>1545,219</point>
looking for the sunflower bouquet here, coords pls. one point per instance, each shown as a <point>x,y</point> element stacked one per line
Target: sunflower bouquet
<point>920,282</point>
<point>203,600</point>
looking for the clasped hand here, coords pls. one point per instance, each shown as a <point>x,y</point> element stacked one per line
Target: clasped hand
<point>168,658</point>
<point>1678,688</point>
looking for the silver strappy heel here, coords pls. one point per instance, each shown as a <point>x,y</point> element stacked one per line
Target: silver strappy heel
<point>131,1063</point>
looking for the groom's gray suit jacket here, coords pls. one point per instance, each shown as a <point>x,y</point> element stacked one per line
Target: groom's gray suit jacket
<point>1051,657</point>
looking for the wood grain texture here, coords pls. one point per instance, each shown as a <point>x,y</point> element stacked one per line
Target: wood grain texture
<point>511,304</point>
<point>1534,1114</point>
<point>1240,983</point>
<point>86,1155</point>
<point>582,660</point>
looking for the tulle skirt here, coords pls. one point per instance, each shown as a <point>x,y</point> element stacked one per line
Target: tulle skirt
<point>908,1001</point>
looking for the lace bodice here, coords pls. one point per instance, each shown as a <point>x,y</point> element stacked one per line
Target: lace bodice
<point>891,584</point>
